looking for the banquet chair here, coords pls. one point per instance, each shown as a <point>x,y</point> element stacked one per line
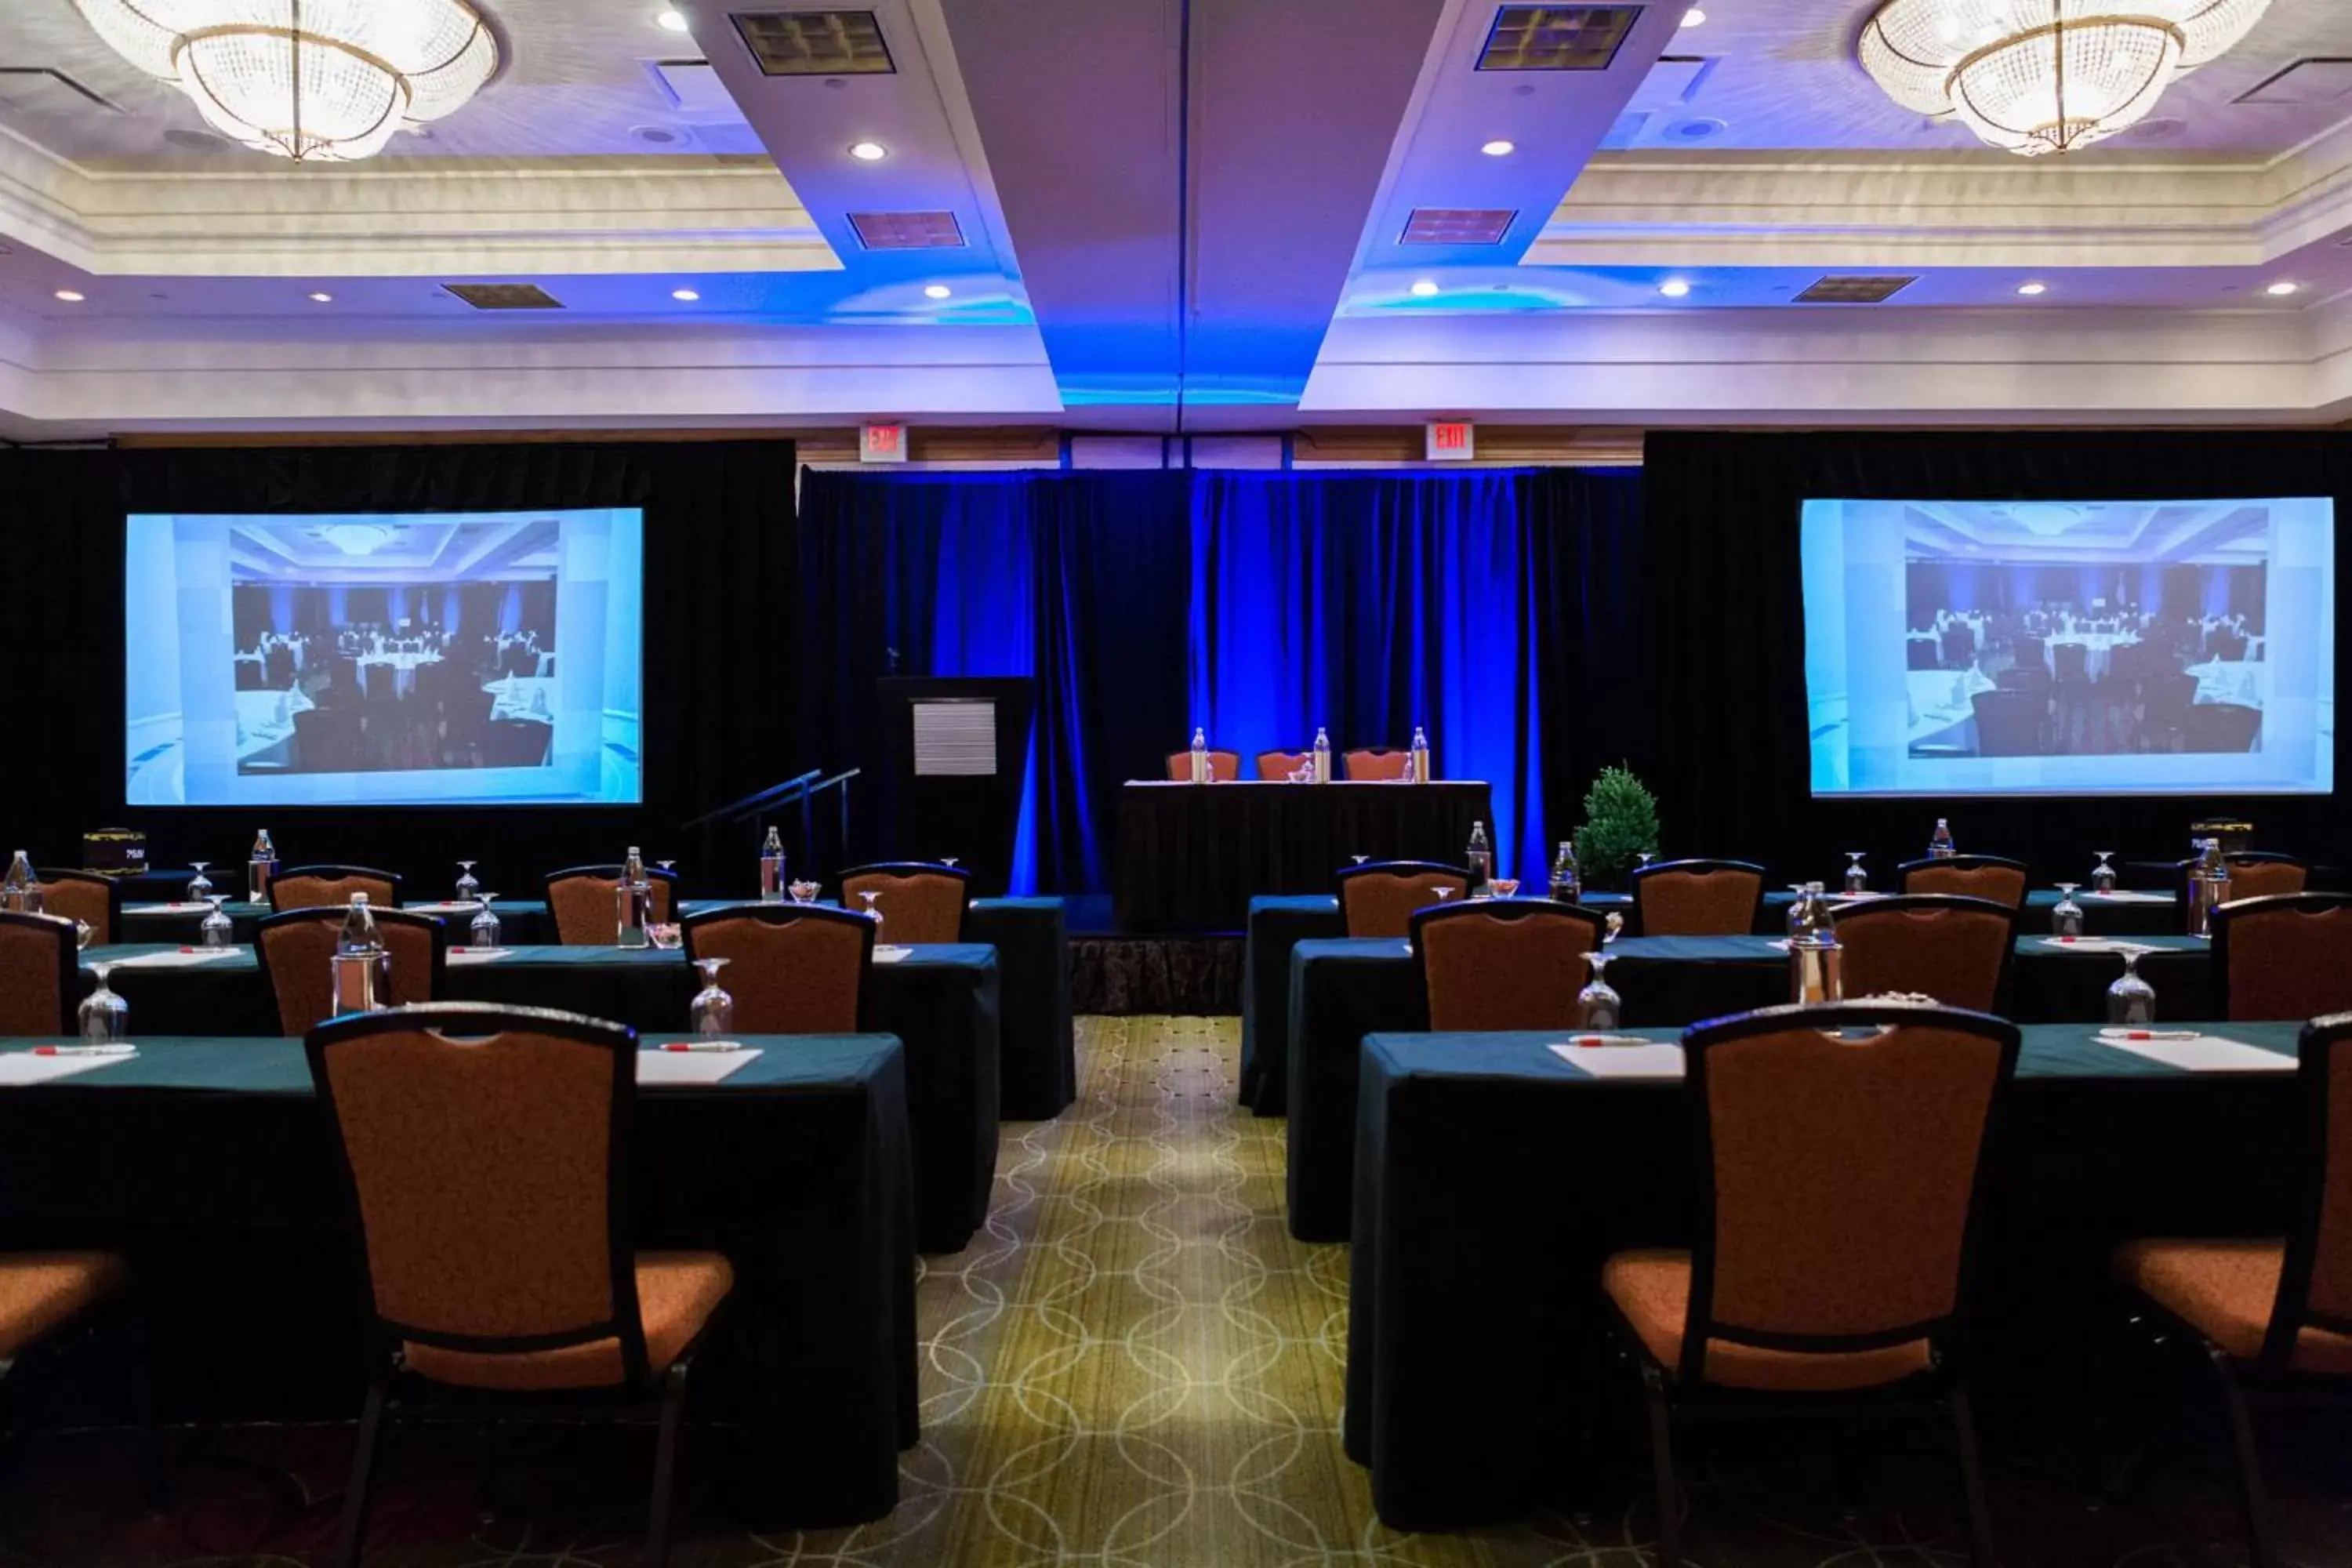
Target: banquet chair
<point>1956,950</point>
<point>2012,722</point>
<point>921,902</point>
<point>1837,1172</point>
<point>1375,764</point>
<point>792,969</point>
<point>1504,963</point>
<point>46,1295</point>
<point>1379,897</point>
<point>2224,727</point>
<point>1696,898</point>
<point>1224,767</point>
<point>581,897</point>
<point>1988,877</point>
<point>1278,767</point>
<point>313,887</point>
<point>296,952</point>
<point>2273,1316</point>
<point>2284,957</point>
<point>2253,874</point>
<point>516,744</point>
<point>501,1275</point>
<point>2165,700</point>
<point>39,975</point>
<point>84,895</point>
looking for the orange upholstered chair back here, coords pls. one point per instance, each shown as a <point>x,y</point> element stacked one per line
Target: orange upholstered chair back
<point>296,950</point>
<point>918,903</point>
<point>1224,767</point>
<point>331,887</point>
<point>1987,877</point>
<point>1838,1170</point>
<point>2285,958</point>
<point>1279,765</point>
<point>792,969</point>
<point>1954,949</point>
<point>37,980</point>
<point>581,900</point>
<point>85,897</point>
<point>1507,963</point>
<point>1697,898</point>
<point>2314,1285</point>
<point>1378,899</point>
<point>1376,763</point>
<point>486,1148</point>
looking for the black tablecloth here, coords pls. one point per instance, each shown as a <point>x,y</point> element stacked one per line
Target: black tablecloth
<point>1190,857</point>
<point>1494,1179</point>
<point>1343,989</point>
<point>940,1001</point>
<point>210,1163</point>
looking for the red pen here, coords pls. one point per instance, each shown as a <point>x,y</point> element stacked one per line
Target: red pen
<point>701,1045</point>
<point>84,1050</point>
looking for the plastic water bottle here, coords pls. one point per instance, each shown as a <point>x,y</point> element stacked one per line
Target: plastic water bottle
<point>260,868</point>
<point>1939,843</point>
<point>19,892</point>
<point>1419,761</point>
<point>629,899</point>
<point>1567,880</point>
<point>1199,756</point>
<point>2209,884</point>
<point>362,969</point>
<point>772,869</point>
<point>1815,959</point>
<point>1480,859</point>
<point>1322,755</point>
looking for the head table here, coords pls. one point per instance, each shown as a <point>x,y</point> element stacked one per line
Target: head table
<point>211,1163</point>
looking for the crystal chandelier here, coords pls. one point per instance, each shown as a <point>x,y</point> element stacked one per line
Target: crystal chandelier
<point>307,79</point>
<point>2045,76</point>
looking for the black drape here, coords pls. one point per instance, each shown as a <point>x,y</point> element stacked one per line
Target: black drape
<point>1592,661</point>
<point>717,686</point>
<point>1723,618</point>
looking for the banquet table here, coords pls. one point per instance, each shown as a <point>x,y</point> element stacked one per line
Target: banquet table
<point>209,1161</point>
<point>1192,855</point>
<point>1494,1179</point>
<point>940,1001</point>
<point>1341,991</point>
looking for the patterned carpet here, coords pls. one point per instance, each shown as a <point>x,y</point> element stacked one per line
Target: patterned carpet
<point>1136,1365</point>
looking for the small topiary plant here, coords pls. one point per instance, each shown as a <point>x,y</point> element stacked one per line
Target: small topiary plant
<point>1620,824</point>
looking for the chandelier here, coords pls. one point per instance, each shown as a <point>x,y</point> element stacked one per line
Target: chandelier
<point>307,79</point>
<point>2045,76</point>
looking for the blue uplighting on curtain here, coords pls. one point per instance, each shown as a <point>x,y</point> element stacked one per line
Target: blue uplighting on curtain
<point>338,605</point>
<point>281,608</point>
<point>399,615</point>
<point>450,611</point>
<point>510,611</point>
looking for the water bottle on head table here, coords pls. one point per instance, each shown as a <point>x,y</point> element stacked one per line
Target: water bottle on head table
<point>772,868</point>
<point>19,893</point>
<point>1200,773</point>
<point>362,969</point>
<point>1322,755</point>
<point>260,868</point>
<point>1939,843</point>
<point>1566,879</point>
<point>1419,759</point>
<point>629,899</point>
<point>1480,859</point>
<point>2208,885</point>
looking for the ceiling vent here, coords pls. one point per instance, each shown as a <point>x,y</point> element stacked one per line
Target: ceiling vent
<point>814,43</point>
<point>1556,37</point>
<point>2305,81</point>
<point>907,231</point>
<point>1854,290</point>
<point>1458,226</point>
<point>505,296</point>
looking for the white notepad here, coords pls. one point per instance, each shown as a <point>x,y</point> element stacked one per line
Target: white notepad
<point>2207,1053</point>
<point>447,907</point>
<point>2094,944</point>
<point>691,1067</point>
<point>1652,1058</point>
<point>477,954</point>
<point>2128,897</point>
<point>178,909</point>
<point>18,1069</point>
<point>192,957</point>
<point>891,954</point>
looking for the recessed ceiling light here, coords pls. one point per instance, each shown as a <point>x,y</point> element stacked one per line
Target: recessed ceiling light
<point>1694,17</point>
<point>1674,287</point>
<point>1500,148</point>
<point>70,296</point>
<point>671,21</point>
<point>868,152</point>
<point>937,291</point>
<point>323,298</point>
<point>1424,288</point>
<point>687,295</point>
<point>2032,289</point>
<point>2282,289</point>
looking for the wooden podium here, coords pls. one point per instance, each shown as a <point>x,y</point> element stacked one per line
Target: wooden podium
<point>956,759</point>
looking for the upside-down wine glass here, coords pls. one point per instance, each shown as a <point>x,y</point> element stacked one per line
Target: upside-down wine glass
<point>1503,887</point>
<point>2066,919</point>
<point>872,914</point>
<point>83,931</point>
<point>467,886</point>
<point>1598,1006</point>
<point>216,931</point>
<point>484,931</point>
<point>105,1018</point>
<point>201,888</point>
<point>2103,875</point>
<point>1856,879</point>
<point>806,892</point>
<point>713,1011</point>
<point>2131,1001</point>
<point>1445,892</point>
<point>949,861</point>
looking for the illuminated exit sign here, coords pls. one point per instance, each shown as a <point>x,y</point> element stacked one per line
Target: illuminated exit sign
<point>1452,441</point>
<point>882,444</point>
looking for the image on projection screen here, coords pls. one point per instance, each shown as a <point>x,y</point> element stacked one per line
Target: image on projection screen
<point>428,659</point>
<point>2074,648</point>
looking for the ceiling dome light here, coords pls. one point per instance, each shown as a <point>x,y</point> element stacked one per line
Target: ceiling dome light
<point>356,538</point>
<point>1674,287</point>
<point>317,80</point>
<point>868,152</point>
<point>2045,76</point>
<point>1424,288</point>
<point>937,291</point>
<point>686,296</point>
<point>2030,290</point>
<point>1693,17</point>
<point>1499,148</point>
<point>671,22</point>
<point>2282,289</point>
<point>322,298</point>
<point>72,296</point>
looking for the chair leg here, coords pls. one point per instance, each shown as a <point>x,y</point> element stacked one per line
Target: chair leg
<point>155,1458</point>
<point>353,1527</point>
<point>1981,1549</point>
<point>1662,1465</point>
<point>665,1464</point>
<point>2262,1551</point>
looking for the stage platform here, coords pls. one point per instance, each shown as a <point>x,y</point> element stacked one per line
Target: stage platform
<point>1117,971</point>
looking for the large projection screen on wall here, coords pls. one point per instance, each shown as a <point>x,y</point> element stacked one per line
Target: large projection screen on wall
<point>2071,648</point>
<point>429,658</point>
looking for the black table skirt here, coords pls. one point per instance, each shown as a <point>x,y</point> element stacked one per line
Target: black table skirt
<point>1192,855</point>
<point>1494,1182</point>
<point>210,1163</point>
<point>941,1001</point>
